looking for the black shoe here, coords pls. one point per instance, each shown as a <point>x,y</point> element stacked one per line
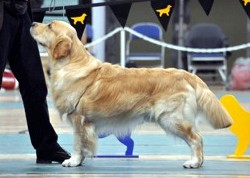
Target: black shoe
<point>55,154</point>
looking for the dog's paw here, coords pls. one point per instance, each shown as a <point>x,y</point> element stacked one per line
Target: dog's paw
<point>72,162</point>
<point>192,164</point>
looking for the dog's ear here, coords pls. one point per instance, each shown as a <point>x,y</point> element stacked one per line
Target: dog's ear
<point>62,47</point>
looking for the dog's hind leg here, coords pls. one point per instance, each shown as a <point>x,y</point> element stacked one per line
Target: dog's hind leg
<point>185,131</point>
<point>194,141</point>
<point>84,141</point>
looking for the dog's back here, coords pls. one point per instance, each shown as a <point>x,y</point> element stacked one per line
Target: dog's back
<point>123,95</point>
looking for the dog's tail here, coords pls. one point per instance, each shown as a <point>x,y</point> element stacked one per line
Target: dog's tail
<point>215,112</point>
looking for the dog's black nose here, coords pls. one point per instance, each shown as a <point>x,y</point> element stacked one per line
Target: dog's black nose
<point>34,24</point>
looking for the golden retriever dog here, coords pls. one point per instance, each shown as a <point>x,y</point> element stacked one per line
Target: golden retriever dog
<point>101,98</point>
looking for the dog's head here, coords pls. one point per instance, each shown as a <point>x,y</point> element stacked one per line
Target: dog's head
<point>56,37</point>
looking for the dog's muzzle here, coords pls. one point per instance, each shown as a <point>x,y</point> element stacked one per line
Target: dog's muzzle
<point>33,25</point>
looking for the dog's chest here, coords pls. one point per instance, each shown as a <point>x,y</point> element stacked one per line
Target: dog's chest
<point>65,95</point>
<point>65,101</point>
<point>68,87</point>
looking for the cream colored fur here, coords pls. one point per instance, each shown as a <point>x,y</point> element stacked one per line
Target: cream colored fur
<point>103,98</point>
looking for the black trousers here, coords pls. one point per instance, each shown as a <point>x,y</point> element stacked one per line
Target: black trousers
<point>21,51</point>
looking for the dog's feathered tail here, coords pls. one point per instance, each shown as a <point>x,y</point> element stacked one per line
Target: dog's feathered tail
<point>215,112</point>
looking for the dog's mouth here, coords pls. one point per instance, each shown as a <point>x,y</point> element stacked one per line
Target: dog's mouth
<point>36,38</point>
<point>42,44</point>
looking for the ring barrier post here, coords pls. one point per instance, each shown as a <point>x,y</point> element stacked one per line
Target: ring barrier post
<point>122,48</point>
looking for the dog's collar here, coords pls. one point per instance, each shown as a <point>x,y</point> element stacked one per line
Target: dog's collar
<point>73,110</point>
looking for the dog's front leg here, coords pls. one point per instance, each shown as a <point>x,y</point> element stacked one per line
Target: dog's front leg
<point>77,155</point>
<point>84,141</point>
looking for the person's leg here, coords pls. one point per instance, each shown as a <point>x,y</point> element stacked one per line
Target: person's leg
<point>26,65</point>
<point>5,42</point>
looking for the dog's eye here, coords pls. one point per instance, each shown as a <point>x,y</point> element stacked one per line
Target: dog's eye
<point>49,26</point>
